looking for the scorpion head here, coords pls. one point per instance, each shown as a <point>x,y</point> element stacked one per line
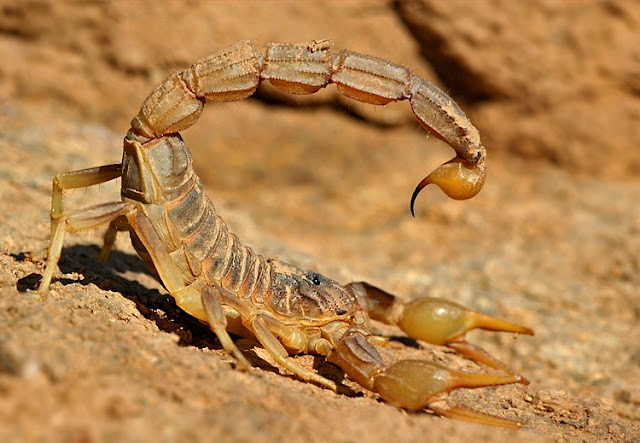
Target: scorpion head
<point>307,295</point>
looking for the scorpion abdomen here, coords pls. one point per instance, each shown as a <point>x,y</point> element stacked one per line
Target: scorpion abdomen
<point>171,194</point>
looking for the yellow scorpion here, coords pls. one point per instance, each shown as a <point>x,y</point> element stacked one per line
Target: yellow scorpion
<point>174,228</point>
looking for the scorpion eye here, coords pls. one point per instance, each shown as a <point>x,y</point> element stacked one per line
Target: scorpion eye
<point>315,279</point>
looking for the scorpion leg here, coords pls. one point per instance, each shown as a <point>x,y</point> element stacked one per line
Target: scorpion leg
<point>83,219</point>
<point>436,321</point>
<point>271,343</point>
<point>414,384</point>
<point>118,225</point>
<point>269,331</point>
<point>218,322</point>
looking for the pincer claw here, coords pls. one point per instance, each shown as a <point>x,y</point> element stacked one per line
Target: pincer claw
<point>411,384</point>
<point>439,321</point>
<point>443,322</point>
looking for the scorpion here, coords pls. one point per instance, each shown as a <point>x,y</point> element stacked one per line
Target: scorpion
<point>215,278</point>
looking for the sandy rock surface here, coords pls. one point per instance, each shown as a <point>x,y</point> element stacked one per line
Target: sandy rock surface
<point>552,242</point>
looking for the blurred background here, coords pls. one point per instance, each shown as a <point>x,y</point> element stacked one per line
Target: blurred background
<point>553,241</point>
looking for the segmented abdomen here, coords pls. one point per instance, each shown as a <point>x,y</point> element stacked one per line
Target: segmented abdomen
<point>197,239</point>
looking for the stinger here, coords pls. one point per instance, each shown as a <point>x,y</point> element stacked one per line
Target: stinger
<point>457,178</point>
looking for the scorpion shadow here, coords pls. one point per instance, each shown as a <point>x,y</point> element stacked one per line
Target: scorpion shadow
<point>156,305</point>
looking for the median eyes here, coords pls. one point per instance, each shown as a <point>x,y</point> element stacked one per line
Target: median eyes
<point>315,279</point>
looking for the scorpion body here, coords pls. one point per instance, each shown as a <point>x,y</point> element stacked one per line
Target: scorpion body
<point>214,277</point>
